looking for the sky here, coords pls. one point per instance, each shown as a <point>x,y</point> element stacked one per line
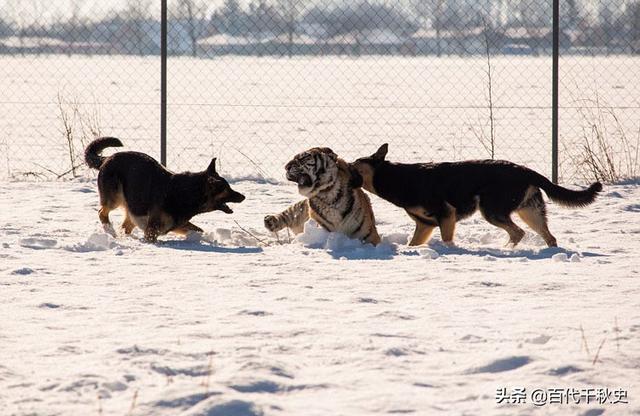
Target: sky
<point>45,11</point>
<point>54,9</point>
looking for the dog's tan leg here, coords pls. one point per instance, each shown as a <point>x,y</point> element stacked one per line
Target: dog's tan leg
<point>103,214</point>
<point>425,225</point>
<point>538,223</point>
<point>448,225</point>
<point>127,224</point>
<point>152,231</point>
<point>515,233</point>
<point>192,227</point>
<point>187,228</point>
<point>151,234</point>
<point>422,233</point>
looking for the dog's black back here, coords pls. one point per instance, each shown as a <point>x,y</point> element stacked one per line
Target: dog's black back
<point>144,182</point>
<point>439,194</point>
<point>458,183</point>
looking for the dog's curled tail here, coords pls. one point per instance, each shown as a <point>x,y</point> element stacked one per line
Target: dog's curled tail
<point>567,197</point>
<point>92,153</point>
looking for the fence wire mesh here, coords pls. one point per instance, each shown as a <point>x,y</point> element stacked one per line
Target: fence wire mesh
<point>255,82</point>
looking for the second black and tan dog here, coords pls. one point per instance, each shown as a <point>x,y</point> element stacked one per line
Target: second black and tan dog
<point>154,199</point>
<point>440,194</point>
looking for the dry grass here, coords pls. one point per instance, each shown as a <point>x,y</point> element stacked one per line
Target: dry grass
<point>249,233</point>
<point>263,175</point>
<point>605,152</point>
<point>100,413</point>
<point>616,330</point>
<point>79,127</point>
<point>207,381</point>
<point>595,359</point>
<point>488,141</point>
<point>585,345</point>
<point>134,401</point>
<point>5,149</point>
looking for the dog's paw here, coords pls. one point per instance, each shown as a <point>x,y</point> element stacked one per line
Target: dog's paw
<point>271,223</point>
<point>108,228</point>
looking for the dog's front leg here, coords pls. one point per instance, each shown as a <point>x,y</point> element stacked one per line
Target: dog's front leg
<point>187,228</point>
<point>424,226</point>
<point>421,234</point>
<point>447,224</point>
<point>152,231</point>
<point>127,224</point>
<point>192,227</point>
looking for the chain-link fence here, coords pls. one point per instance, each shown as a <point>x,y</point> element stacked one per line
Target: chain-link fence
<point>255,82</point>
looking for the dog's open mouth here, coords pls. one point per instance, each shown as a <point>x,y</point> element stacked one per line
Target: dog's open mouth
<point>225,208</point>
<point>235,197</point>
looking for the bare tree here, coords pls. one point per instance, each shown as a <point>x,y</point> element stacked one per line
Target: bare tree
<point>532,15</point>
<point>572,12</point>
<point>532,18</point>
<point>634,18</point>
<point>136,15</point>
<point>492,136</point>
<point>429,13</point>
<point>72,27</point>
<point>24,18</point>
<point>192,14</point>
<point>290,10</point>
<point>232,18</point>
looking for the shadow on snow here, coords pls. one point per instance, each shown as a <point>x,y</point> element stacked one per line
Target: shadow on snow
<point>531,254</point>
<point>204,246</point>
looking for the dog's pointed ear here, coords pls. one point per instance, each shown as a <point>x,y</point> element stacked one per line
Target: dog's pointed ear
<point>355,179</point>
<point>211,170</point>
<point>381,153</point>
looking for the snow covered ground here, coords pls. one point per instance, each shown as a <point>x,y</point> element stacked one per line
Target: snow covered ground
<point>319,325</point>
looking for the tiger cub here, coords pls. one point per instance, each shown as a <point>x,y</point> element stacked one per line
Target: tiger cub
<point>334,198</point>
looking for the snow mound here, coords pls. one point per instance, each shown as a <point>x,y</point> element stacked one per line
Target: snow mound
<point>232,237</point>
<point>95,242</point>
<point>223,237</point>
<point>429,253</point>
<point>565,257</point>
<point>222,240</point>
<point>396,238</point>
<point>342,247</point>
<point>560,257</point>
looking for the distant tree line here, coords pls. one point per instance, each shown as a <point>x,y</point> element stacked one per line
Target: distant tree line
<point>604,24</point>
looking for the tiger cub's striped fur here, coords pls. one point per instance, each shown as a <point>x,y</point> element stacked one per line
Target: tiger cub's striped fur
<point>334,198</point>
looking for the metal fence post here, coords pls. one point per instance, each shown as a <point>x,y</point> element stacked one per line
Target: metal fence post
<point>163,82</point>
<point>554,92</point>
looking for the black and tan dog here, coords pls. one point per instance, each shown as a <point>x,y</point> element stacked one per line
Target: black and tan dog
<point>440,194</point>
<point>155,199</point>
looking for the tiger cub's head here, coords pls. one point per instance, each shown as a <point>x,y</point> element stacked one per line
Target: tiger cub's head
<point>318,169</point>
